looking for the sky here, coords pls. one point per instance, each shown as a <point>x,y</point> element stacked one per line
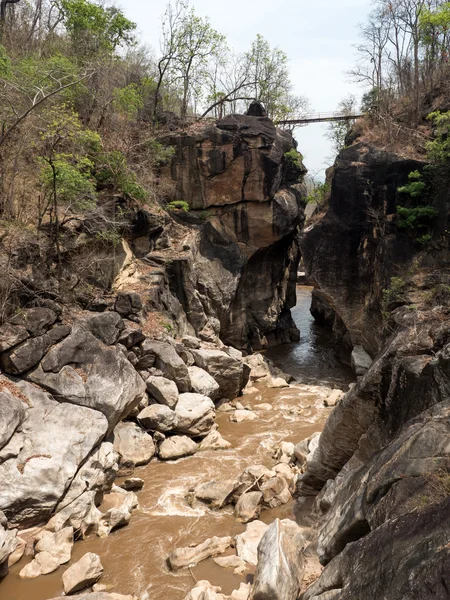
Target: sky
<point>318,37</point>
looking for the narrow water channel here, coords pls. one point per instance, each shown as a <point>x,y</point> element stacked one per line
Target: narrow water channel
<point>134,558</point>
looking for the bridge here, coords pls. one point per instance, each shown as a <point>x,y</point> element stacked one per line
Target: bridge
<point>319,118</point>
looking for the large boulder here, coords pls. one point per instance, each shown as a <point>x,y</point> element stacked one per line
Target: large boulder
<point>133,444</point>
<point>203,383</point>
<point>82,370</point>
<point>227,371</point>
<point>176,446</point>
<point>83,573</point>
<point>106,326</point>
<point>59,544</point>
<point>158,417</point>
<point>247,542</point>
<point>248,507</point>
<point>35,320</point>
<point>26,355</point>
<point>195,414</point>
<point>43,456</point>
<point>12,335</point>
<point>169,363</point>
<point>280,568</point>
<point>216,493</point>
<point>188,557</point>
<point>163,390</point>
<point>43,564</point>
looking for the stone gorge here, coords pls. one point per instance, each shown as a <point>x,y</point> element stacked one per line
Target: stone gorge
<point>99,408</point>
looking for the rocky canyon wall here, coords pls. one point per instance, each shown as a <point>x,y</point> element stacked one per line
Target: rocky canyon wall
<point>354,250</point>
<point>381,469</point>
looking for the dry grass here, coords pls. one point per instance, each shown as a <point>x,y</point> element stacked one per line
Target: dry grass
<point>14,390</point>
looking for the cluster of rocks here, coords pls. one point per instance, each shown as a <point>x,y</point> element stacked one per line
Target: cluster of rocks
<point>258,487</point>
<point>88,396</point>
<point>275,551</point>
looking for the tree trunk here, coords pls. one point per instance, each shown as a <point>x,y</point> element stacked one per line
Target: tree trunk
<point>3,5</point>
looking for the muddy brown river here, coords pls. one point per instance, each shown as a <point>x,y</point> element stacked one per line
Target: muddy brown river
<point>134,558</point>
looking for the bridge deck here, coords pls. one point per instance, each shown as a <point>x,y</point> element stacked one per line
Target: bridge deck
<point>319,118</point>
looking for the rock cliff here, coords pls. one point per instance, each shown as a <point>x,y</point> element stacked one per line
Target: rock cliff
<point>241,253</point>
<point>354,250</point>
<point>381,468</point>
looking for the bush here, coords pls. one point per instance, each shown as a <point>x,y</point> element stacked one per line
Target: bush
<point>178,205</point>
<point>419,217</point>
<point>114,171</point>
<point>416,187</point>
<point>393,296</point>
<point>294,168</point>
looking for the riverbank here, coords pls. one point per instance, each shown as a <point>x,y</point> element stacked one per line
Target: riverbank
<point>134,558</point>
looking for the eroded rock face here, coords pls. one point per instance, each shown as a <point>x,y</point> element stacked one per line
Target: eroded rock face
<point>236,170</point>
<point>382,463</point>
<point>354,250</point>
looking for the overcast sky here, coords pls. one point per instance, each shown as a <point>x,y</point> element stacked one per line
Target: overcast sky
<point>317,35</point>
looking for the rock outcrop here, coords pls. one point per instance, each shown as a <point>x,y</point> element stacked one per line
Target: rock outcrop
<point>354,250</point>
<point>241,265</point>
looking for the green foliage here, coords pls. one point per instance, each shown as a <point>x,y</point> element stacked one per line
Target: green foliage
<point>293,165</point>
<point>93,27</point>
<point>5,63</point>
<point>113,170</point>
<point>434,25</point>
<point>67,156</point>
<point>417,217</point>
<point>319,195</point>
<point>393,296</point>
<point>438,150</point>
<point>159,154</point>
<point>178,205</point>
<point>416,187</point>
<point>110,237</point>
<point>370,101</point>
<point>128,100</point>
<point>75,185</point>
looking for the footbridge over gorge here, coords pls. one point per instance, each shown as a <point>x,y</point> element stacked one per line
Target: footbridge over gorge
<point>327,117</point>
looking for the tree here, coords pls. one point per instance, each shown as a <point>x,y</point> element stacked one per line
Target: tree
<point>171,33</point>
<point>93,28</point>
<point>66,151</point>
<point>338,130</point>
<point>3,6</point>
<point>269,75</point>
